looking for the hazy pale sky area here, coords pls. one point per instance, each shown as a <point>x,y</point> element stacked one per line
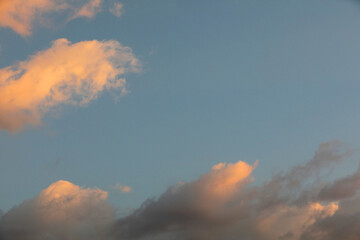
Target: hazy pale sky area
<point>191,120</point>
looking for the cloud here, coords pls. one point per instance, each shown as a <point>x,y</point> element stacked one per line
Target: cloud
<point>342,188</point>
<point>21,15</point>
<point>288,222</point>
<point>187,204</point>
<point>221,204</point>
<point>343,226</point>
<point>65,73</point>
<point>61,211</point>
<point>88,10</point>
<point>122,188</point>
<point>291,185</point>
<point>116,9</point>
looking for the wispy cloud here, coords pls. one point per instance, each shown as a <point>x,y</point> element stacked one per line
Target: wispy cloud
<point>122,188</point>
<point>221,204</point>
<point>116,9</point>
<point>342,188</point>
<point>21,15</point>
<point>88,10</point>
<point>65,73</point>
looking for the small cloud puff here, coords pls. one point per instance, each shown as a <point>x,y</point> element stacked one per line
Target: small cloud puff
<point>122,188</point>
<point>89,10</point>
<point>116,9</point>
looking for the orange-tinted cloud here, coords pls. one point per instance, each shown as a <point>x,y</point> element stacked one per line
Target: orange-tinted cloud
<point>65,73</point>
<point>188,204</point>
<point>289,222</point>
<point>61,211</point>
<point>89,9</point>
<point>220,183</point>
<point>20,15</point>
<point>221,204</point>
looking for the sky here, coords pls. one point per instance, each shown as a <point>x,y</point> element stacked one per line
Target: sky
<point>134,119</point>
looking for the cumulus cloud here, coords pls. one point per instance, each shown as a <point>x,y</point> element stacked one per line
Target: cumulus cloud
<point>21,15</point>
<point>221,204</point>
<point>187,204</point>
<point>122,188</point>
<point>61,211</point>
<point>116,9</point>
<point>65,73</point>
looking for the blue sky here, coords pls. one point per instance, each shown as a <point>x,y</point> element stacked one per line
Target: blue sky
<point>221,81</point>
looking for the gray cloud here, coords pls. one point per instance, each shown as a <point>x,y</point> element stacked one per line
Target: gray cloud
<point>338,226</point>
<point>343,188</point>
<point>61,211</point>
<point>300,184</point>
<point>185,211</point>
<point>221,204</point>
<point>191,206</point>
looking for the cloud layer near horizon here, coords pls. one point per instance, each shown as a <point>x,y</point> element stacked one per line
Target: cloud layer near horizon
<point>65,73</point>
<point>221,204</point>
<point>20,15</point>
<point>61,211</point>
